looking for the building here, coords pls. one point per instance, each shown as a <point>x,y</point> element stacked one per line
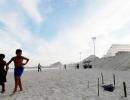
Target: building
<point>115,48</point>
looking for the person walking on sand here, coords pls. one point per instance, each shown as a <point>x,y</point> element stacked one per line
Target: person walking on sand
<point>18,70</point>
<point>77,66</point>
<point>39,67</point>
<point>3,72</point>
<point>65,66</point>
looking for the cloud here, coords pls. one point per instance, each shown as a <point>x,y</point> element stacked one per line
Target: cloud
<point>111,17</point>
<point>15,27</point>
<point>31,8</point>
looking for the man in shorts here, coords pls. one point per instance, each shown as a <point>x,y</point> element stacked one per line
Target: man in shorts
<point>18,70</point>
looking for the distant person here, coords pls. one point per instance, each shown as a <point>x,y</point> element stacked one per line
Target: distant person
<point>39,68</point>
<point>3,72</point>
<point>18,70</point>
<point>77,66</point>
<point>65,66</point>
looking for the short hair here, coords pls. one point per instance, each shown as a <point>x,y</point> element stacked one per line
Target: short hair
<point>2,56</point>
<point>18,51</point>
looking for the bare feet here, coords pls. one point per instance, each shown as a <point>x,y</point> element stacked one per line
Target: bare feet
<point>14,91</point>
<point>20,90</point>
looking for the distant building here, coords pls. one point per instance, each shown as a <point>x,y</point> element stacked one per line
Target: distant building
<point>115,48</point>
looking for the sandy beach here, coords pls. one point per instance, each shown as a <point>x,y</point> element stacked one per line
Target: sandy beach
<point>66,85</point>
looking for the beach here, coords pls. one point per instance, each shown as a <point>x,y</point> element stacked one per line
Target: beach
<point>67,85</point>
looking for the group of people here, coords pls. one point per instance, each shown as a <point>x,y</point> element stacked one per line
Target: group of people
<point>18,70</point>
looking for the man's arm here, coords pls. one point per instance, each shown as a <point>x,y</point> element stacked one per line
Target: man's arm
<point>27,60</point>
<point>10,61</point>
<point>6,66</point>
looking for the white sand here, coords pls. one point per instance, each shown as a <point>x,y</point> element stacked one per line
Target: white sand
<point>66,85</point>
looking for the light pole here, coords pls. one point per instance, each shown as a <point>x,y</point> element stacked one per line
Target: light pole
<point>94,38</point>
<point>80,58</point>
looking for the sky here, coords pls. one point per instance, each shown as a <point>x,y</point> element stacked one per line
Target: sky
<point>58,30</point>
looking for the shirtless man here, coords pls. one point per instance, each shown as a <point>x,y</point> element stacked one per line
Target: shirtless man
<point>18,70</point>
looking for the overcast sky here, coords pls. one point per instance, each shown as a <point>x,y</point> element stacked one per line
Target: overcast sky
<point>58,30</point>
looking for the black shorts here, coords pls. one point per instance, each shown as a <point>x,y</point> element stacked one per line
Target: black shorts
<point>3,74</point>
